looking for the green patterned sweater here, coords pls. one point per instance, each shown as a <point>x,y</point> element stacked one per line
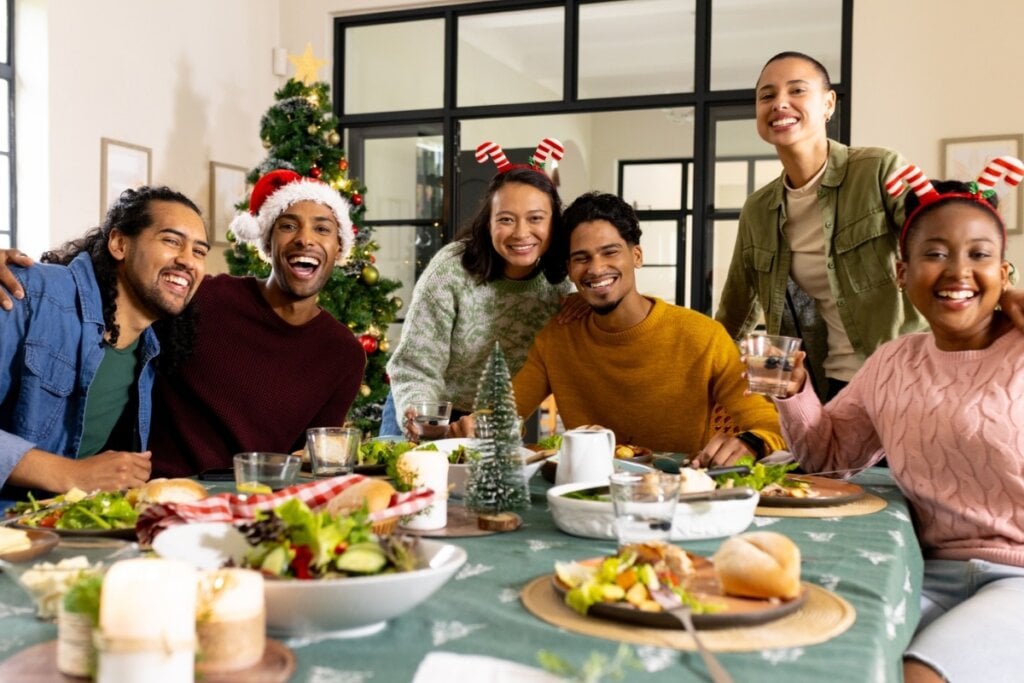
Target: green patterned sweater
<point>452,324</point>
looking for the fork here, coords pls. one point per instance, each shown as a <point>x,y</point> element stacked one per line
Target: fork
<point>714,667</point>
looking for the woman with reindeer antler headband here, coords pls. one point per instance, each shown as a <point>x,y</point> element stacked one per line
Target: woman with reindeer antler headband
<point>816,248</point>
<point>498,281</point>
<point>947,409</point>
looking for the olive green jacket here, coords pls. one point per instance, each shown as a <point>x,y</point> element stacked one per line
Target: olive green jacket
<point>861,223</point>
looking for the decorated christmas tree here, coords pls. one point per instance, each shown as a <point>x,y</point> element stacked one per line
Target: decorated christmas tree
<point>300,133</point>
<point>496,481</point>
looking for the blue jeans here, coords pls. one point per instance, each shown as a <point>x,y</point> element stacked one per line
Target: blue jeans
<point>389,419</point>
<point>970,620</point>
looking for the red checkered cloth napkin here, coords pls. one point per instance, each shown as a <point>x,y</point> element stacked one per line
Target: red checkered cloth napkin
<point>229,507</point>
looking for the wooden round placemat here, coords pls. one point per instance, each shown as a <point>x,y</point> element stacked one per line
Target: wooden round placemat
<point>461,524</point>
<point>868,504</point>
<point>823,616</point>
<point>38,664</point>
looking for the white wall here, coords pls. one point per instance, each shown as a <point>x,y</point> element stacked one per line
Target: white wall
<point>189,79</point>
<point>926,70</point>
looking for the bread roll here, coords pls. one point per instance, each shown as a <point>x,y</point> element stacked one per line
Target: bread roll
<point>376,493</point>
<point>759,564</point>
<point>170,491</point>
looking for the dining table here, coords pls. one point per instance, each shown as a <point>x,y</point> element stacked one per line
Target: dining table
<point>872,561</point>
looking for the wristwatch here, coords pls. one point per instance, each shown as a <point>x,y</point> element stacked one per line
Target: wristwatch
<point>755,443</point>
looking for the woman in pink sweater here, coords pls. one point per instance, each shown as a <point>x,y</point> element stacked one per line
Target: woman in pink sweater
<point>947,409</point>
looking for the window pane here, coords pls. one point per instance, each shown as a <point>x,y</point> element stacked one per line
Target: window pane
<point>5,199</point>
<point>653,186</point>
<point>659,281</point>
<point>510,57</point>
<point>766,171</point>
<point>404,176</point>
<point>4,56</point>
<point>408,74</point>
<point>5,120</point>
<point>746,33</point>
<point>730,184</point>
<point>659,242</point>
<point>636,47</point>
<point>724,240</point>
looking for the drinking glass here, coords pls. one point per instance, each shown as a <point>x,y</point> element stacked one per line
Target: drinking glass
<point>770,360</point>
<point>430,421</point>
<point>257,472</point>
<point>644,504</point>
<point>332,450</point>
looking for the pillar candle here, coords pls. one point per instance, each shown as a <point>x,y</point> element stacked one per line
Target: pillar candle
<point>147,622</point>
<point>231,620</point>
<point>430,469</point>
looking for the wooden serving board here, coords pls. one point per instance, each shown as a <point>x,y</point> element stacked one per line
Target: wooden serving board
<point>461,524</point>
<point>38,664</point>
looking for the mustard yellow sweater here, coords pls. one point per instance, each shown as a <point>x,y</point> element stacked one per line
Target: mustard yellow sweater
<point>654,384</point>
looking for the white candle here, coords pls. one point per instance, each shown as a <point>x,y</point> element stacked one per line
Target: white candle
<point>430,469</point>
<point>147,622</point>
<point>230,620</point>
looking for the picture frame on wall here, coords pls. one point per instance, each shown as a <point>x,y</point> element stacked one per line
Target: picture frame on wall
<point>965,158</point>
<point>123,165</point>
<point>227,188</point>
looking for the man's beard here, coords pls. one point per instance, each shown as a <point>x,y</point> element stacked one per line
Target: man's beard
<point>606,308</point>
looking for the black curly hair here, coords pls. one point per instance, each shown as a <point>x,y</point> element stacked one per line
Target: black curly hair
<point>957,192</point>
<point>480,259</point>
<point>601,206</point>
<point>130,214</point>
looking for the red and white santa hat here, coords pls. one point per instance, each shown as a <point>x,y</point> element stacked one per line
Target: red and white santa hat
<point>275,192</point>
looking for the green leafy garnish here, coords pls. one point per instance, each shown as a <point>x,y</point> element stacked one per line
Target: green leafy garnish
<point>84,597</point>
<point>596,668</point>
<point>761,475</point>
<point>553,442</point>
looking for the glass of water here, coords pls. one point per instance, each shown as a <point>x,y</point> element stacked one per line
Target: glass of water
<point>430,420</point>
<point>770,360</point>
<point>645,505</point>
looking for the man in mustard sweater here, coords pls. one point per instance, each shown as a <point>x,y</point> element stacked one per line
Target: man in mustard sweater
<point>650,371</point>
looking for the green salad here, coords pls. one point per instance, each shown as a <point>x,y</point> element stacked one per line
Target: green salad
<point>295,542</point>
<point>761,475</point>
<point>78,511</point>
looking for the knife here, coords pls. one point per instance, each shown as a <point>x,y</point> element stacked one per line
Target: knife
<point>670,466</point>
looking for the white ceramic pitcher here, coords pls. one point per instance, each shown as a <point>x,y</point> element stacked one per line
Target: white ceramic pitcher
<point>587,455</point>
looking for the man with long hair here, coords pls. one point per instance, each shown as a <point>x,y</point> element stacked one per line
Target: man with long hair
<point>77,352</point>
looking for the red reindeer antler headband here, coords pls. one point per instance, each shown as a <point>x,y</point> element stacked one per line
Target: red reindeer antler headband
<point>1007,168</point>
<point>547,146</point>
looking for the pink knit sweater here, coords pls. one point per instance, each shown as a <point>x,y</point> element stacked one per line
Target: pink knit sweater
<point>952,426</point>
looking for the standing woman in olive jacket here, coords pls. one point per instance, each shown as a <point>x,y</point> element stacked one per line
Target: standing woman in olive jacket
<point>817,247</point>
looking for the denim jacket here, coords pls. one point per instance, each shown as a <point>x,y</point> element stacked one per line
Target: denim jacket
<point>861,223</point>
<point>50,349</point>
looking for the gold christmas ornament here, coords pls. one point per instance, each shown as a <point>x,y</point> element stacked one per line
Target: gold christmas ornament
<point>312,129</point>
<point>364,390</point>
<point>384,345</point>
<point>333,137</point>
<point>306,65</point>
<point>397,302</point>
<point>370,275</point>
<point>266,143</point>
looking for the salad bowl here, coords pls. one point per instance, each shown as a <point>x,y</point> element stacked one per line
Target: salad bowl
<point>346,607</point>
<point>692,520</point>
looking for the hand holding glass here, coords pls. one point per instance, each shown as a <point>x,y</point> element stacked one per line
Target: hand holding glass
<point>430,419</point>
<point>770,360</point>
<point>644,504</point>
<point>332,450</point>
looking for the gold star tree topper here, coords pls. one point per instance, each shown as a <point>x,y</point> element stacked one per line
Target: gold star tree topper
<point>306,65</point>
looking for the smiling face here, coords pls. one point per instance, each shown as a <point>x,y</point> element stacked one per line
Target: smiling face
<point>304,246</point>
<point>793,102</point>
<point>520,227</point>
<point>954,273</point>
<point>161,267</point>
<point>602,265</point>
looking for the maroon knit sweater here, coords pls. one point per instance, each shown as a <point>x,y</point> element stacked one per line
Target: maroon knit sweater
<point>253,383</point>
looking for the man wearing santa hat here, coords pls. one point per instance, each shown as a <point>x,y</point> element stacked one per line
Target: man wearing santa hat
<point>268,361</point>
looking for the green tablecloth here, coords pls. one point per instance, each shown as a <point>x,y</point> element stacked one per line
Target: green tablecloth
<point>872,561</point>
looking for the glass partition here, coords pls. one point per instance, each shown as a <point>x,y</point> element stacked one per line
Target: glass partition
<point>409,74</point>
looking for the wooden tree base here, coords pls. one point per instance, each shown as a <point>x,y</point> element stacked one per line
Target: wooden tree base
<point>501,521</point>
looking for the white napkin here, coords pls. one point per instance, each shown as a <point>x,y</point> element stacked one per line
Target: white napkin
<point>444,667</point>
